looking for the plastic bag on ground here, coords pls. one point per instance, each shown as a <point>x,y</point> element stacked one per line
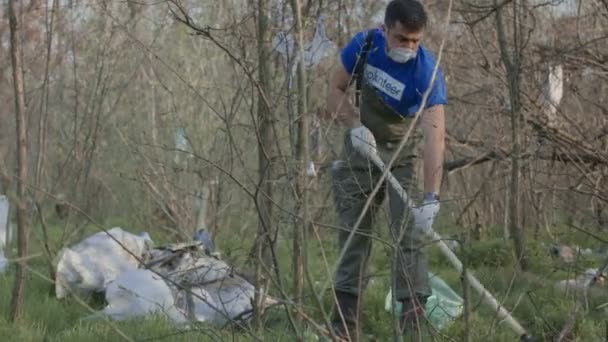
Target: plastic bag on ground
<point>442,307</point>
<point>232,298</point>
<point>139,293</point>
<point>93,263</point>
<point>5,231</point>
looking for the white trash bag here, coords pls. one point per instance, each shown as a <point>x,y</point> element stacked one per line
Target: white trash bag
<point>140,293</point>
<point>93,263</point>
<point>6,233</point>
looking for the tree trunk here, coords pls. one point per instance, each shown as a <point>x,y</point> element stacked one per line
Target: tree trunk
<point>301,157</point>
<point>43,142</point>
<point>22,219</point>
<point>512,63</point>
<point>265,155</point>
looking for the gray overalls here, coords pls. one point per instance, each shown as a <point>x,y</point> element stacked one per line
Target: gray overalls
<point>354,178</point>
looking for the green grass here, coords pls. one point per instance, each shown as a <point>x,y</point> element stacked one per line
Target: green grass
<point>535,303</point>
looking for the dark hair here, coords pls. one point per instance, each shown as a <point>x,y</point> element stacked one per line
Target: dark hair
<point>410,13</point>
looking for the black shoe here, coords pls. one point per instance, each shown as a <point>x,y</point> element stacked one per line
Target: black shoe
<point>412,323</point>
<point>347,309</point>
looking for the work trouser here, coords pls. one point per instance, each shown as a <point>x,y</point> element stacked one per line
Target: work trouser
<point>353,179</point>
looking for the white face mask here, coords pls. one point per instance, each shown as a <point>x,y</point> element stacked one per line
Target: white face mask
<point>401,55</point>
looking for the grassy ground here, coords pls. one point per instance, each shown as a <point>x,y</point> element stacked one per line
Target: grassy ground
<point>536,303</point>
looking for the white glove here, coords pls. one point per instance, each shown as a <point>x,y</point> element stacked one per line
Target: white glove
<point>424,215</point>
<point>363,140</point>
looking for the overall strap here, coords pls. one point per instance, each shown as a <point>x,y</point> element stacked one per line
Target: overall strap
<point>361,61</point>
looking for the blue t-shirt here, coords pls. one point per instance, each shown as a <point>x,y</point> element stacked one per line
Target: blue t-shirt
<point>400,85</point>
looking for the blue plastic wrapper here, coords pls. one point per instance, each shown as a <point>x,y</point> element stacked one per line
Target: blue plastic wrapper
<point>202,236</point>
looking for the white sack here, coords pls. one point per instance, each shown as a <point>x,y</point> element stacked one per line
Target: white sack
<point>219,295</point>
<point>204,305</point>
<point>139,293</point>
<point>6,234</point>
<point>91,264</point>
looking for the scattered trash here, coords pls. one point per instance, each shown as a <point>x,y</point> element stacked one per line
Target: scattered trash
<point>442,307</point>
<point>218,293</point>
<point>92,264</point>
<point>185,282</point>
<point>591,276</point>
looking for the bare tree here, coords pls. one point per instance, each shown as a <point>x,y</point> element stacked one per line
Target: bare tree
<point>266,144</point>
<point>511,59</point>
<point>302,156</point>
<point>22,217</point>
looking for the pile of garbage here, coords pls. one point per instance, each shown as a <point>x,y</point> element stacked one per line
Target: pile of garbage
<point>185,282</point>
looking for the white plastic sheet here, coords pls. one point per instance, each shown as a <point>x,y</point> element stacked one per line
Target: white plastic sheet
<point>90,265</point>
<point>6,233</point>
<point>140,293</point>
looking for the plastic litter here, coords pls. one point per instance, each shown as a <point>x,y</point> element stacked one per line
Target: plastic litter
<point>442,307</point>
<point>183,282</point>
<point>5,231</point>
<point>6,235</point>
<point>3,262</point>
<point>138,293</point>
<point>90,265</point>
<point>220,294</point>
<point>202,236</point>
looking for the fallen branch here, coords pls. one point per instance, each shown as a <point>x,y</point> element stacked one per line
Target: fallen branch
<point>583,157</point>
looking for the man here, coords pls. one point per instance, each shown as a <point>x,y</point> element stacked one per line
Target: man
<point>396,75</point>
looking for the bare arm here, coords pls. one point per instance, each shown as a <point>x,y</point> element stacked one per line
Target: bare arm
<point>433,125</point>
<point>338,102</point>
